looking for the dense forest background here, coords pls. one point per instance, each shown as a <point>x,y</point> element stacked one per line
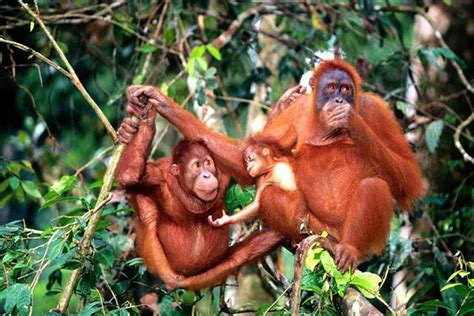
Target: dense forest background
<point>65,63</point>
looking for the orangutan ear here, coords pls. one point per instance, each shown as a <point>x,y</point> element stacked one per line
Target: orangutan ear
<point>311,83</point>
<point>174,169</point>
<point>265,151</point>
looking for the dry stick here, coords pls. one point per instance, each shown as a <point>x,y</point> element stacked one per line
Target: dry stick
<point>73,76</point>
<point>300,256</point>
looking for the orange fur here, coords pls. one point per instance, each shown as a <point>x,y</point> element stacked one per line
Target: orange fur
<point>173,236</point>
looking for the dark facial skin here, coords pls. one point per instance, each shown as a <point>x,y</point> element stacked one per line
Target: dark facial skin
<point>335,88</point>
<point>199,174</point>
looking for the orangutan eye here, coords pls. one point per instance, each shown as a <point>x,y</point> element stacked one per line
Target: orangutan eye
<point>345,89</point>
<point>330,88</point>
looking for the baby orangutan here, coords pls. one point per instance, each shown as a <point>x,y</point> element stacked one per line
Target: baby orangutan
<point>277,201</point>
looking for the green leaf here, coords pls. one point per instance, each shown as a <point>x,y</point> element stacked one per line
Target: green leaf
<point>402,106</point>
<point>449,286</point>
<point>15,167</point>
<point>96,184</point>
<point>190,67</point>
<point>31,189</point>
<point>214,52</point>
<point>169,36</point>
<point>202,63</point>
<point>119,312</point>
<point>138,79</point>
<point>19,296</point>
<point>56,248</point>
<point>90,309</point>
<point>449,54</point>
<point>5,199</point>
<point>27,165</point>
<point>59,200</point>
<point>4,185</point>
<point>14,183</point>
<point>32,26</point>
<point>432,134</point>
<point>367,283</point>
<point>432,306</point>
<point>105,256</point>
<point>198,51</point>
<point>313,258</point>
<point>328,262</point>
<point>147,48</point>
<point>64,184</point>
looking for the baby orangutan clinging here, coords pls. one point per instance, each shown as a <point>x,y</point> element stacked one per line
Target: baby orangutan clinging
<point>277,201</point>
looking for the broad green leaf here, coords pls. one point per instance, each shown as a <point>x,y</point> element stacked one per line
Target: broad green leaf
<point>449,286</point>
<point>19,296</point>
<point>90,309</point>
<point>198,51</point>
<point>31,189</point>
<point>313,258</point>
<point>328,262</point>
<point>23,300</point>
<point>202,63</point>
<point>367,283</point>
<point>56,248</point>
<point>14,183</point>
<point>214,51</point>
<point>147,48</point>
<point>432,134</point>
<point>5,199</point>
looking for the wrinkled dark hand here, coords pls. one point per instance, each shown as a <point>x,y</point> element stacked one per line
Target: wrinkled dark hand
<point>290,95</point>
<point>142,95</point>
<point>336,117</point>
<point>172,281</point>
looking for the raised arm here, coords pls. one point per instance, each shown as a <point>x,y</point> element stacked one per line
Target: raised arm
<point>226,151</point>
<point>377,133</point>
<point>138,137</point>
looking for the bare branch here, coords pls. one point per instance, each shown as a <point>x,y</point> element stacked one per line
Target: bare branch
<point>73,76</point>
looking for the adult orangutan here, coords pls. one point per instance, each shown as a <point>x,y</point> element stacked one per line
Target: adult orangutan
<point>351,156</point>
<point>172,198</point>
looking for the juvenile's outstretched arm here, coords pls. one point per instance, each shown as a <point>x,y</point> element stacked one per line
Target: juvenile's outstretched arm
<point>252,248</point>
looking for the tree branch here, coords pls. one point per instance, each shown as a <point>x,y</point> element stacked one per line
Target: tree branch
<point>73,76</point>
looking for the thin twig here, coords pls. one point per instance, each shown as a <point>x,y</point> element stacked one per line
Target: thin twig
<point>457,141</point>
<point>73,76</point>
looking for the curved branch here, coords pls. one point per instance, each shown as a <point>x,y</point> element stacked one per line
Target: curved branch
<point>457,141</point>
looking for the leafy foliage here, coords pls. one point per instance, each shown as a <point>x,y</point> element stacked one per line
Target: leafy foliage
<point>55,150</point>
